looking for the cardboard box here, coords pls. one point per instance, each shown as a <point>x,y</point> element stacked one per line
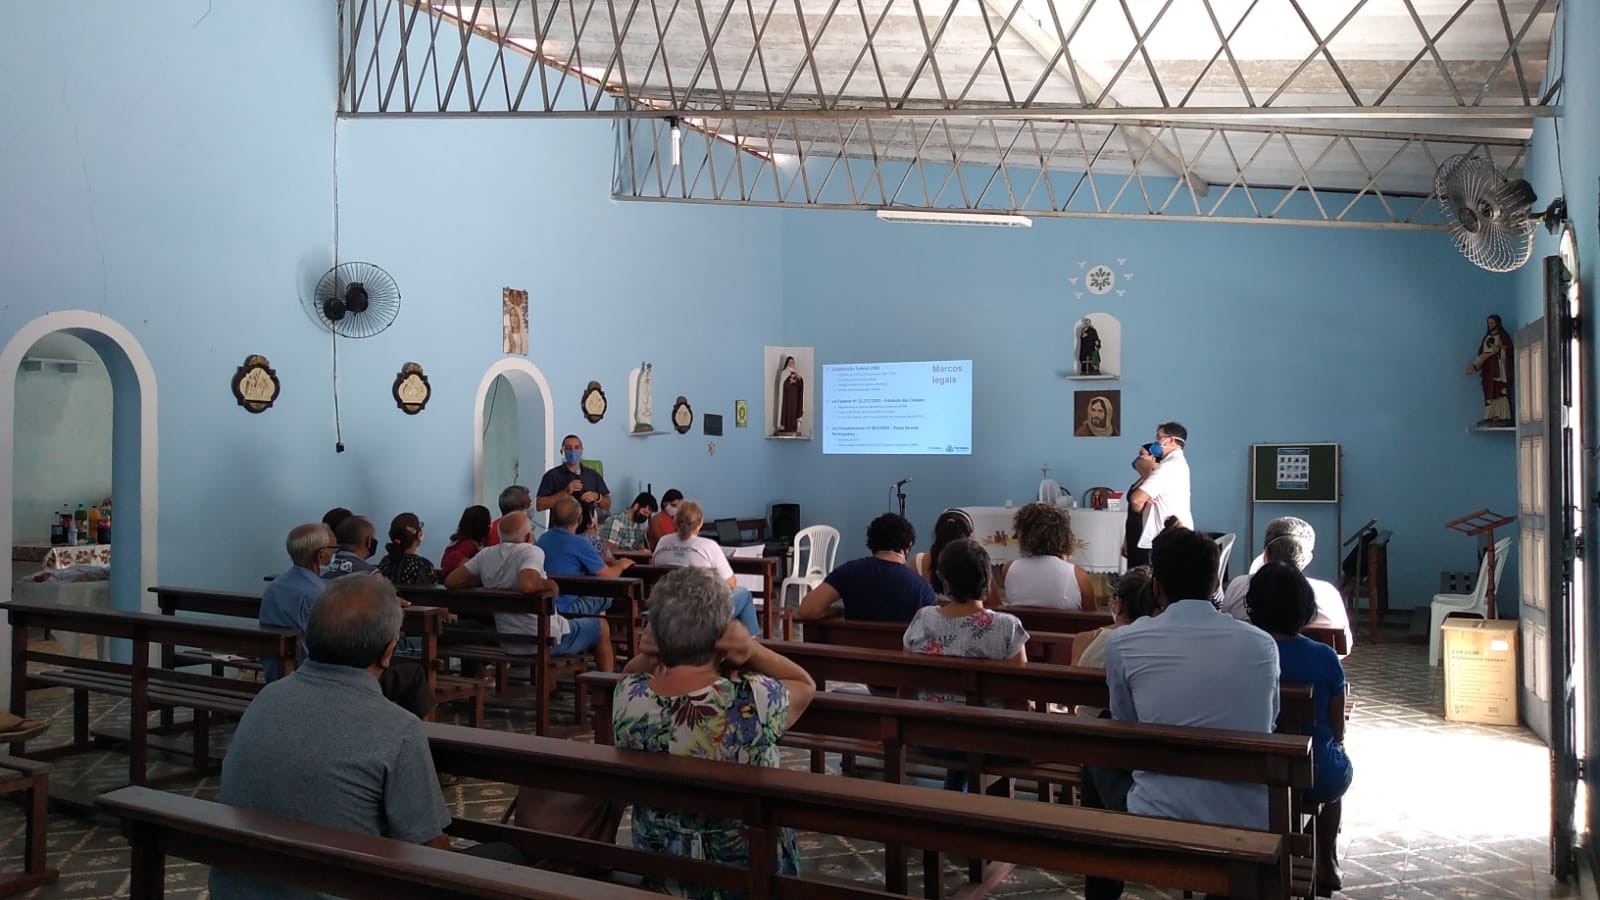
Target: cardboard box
<point>1480,671</point>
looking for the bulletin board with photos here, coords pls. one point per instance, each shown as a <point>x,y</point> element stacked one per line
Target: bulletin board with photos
<point>1294,473</point>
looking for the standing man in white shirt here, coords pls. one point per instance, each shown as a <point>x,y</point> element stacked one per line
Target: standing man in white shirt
<point>1164,491</point>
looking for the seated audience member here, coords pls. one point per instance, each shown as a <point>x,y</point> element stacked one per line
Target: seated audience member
<point>1291,540</point>
<point>1131,600</point>
<point>358,540</point>
<point>472,535</point>
<point>627,531</point>
<point>685,547</point>
<point>1281,602</point>
<point>517,564</point>
<point>1188,666</point>
<point>965,628</point>
<point>876,588</point>
<point>661,523</point>
<point>287,603</point>
<point>515,498</point>
<point>952,525</point>
<point>703,687</point>
<point>574,479</point>
<point>402,565</point>
<point>323,747</point>
<point>1043,577</point>
<point>568,553</point>
<point>334,516</point>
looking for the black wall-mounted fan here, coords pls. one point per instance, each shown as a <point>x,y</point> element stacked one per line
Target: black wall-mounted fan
<point>355,300</point>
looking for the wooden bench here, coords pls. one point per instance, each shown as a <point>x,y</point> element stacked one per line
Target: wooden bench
<point>425,623</point>
<point>1070,621</point>
<point>626,615</point>
<point>149,688</point>
<point>899,728</point>
<point>984,680</point>
<point>32,780</point>
<point>1237,862</point>
<point>765,567</point>
<point>1043,646</point>
<point>486,645</point>
<point>158,825</point>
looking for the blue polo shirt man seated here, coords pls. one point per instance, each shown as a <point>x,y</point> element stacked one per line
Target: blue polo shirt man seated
<point>568,553</point>
<point>876,588</point>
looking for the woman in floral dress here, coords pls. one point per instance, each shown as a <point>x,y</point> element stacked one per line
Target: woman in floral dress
<point>702,687</point>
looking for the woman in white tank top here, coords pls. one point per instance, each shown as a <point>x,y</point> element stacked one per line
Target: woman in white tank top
<point>1043,577</point>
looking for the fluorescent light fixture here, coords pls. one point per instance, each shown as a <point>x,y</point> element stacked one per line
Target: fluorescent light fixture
<point>921,217</point>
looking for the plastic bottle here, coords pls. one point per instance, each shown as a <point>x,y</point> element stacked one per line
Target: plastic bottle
<point>80,521</point>
<point>58,534</point>
<point>64,519</point>
<point>104,535</point>
<point>92,534</point>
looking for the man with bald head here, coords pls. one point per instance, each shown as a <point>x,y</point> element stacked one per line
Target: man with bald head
<point>568,553</point>
<point>517,564</point>
<point>322,746</point>
<point>288,600</point>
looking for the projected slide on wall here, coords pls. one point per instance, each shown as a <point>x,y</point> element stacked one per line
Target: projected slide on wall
<point>898,407</point>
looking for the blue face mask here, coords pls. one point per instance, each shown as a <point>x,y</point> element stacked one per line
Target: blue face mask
<point>573,457</point>
<point>1155,449</point>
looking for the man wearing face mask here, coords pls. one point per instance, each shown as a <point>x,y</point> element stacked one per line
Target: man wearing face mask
<point>626,532</point>
<point>573,479</point>
<point>1164,491</point>
<point>357,540</point>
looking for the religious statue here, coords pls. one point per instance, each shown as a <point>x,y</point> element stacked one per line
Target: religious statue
<point>641,400</point>
<point>1493,365</point>
<point>1088,349</point>
<point>790,391</point>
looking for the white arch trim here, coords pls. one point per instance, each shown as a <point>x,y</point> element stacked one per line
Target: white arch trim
<point>145,374</point>
<point>510,365</point>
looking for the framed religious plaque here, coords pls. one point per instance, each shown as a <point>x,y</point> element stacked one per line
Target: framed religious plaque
<point>255,385</point>
<point>411,390</point>
<point>682,415</point>
<point>594,402</point>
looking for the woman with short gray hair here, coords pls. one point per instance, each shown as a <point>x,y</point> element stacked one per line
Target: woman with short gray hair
<point>702,687</point>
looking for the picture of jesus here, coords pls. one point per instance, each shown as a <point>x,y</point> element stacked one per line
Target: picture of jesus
<point>1096,413</point>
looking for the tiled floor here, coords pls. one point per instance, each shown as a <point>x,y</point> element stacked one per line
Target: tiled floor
<point>1437,809</point>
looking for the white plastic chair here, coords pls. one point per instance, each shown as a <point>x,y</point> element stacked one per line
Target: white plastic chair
<point>1224,550</point>
<point>818,544</point>
<point>1475,603</point>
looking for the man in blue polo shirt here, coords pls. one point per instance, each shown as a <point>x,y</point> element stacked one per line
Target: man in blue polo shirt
<point>568,553</point>
<point>876,588</point>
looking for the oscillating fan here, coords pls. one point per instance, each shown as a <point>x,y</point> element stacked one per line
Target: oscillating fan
<point>1491,218</point>
<point>355,300</point>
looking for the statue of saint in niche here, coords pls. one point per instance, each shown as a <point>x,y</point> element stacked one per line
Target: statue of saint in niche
<point>1493,365</point>
<point>790,390</point>
<point>1088,349</point>
<point>642,412</point>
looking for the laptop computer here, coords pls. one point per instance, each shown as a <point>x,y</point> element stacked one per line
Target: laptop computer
<point>728,532</point>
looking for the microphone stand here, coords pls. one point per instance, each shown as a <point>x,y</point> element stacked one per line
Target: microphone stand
<point>900,494</point>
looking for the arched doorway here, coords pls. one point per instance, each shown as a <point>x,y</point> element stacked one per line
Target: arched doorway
<point>515,446</point>
<point>133,463</point>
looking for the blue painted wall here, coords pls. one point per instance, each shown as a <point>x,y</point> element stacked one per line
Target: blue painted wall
<point>1243,333</point>
<point>173,168</point>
